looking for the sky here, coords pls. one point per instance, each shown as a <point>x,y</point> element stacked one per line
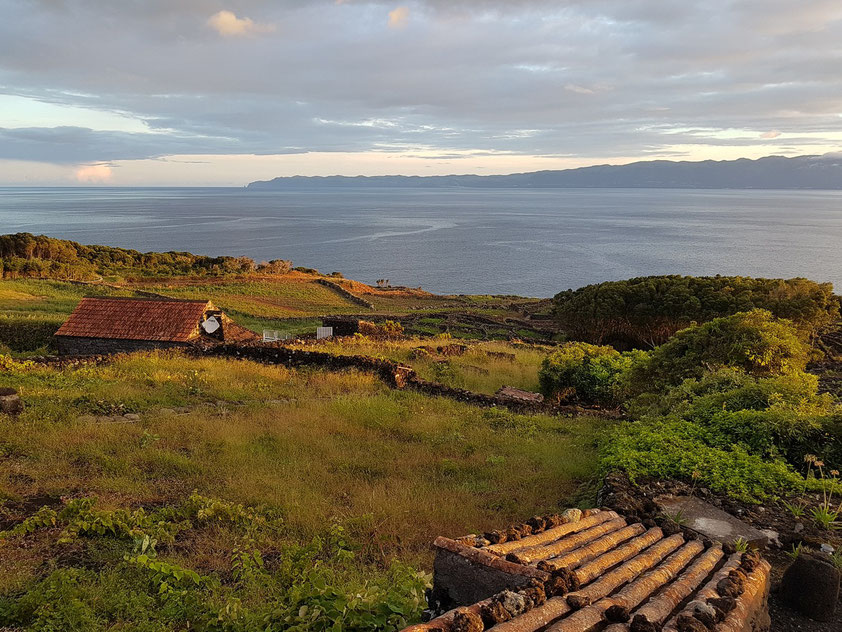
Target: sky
<point>206,92</point>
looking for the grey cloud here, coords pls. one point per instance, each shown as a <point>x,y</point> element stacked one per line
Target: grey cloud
<point>586,77</point>
<point>71,145</point>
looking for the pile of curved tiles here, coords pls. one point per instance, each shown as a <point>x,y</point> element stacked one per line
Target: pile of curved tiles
<point>595,571</point>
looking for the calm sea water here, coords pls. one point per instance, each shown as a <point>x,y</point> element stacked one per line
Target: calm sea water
<point>528,242</point>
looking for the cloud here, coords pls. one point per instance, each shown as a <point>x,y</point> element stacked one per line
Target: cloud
<point>578,89</point>
<point>227,24</point>
<point>93,174</point>
<point>398,18</point>
<point>585,78</point>
<point>73,145</point>
<point>770,134</point>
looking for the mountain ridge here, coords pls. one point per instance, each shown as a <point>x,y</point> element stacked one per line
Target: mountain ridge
<point>770,172</point>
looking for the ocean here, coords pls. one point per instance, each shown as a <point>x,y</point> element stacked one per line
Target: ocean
<point>501,241</point>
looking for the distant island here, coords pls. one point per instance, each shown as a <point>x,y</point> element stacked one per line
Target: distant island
<point>772,172</point>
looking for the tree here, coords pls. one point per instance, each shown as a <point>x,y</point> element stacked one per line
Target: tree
<point>754,342</point>
<point>646,311</point>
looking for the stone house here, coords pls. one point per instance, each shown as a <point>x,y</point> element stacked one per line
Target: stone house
<point>123,325</point>
<point>342,325</point>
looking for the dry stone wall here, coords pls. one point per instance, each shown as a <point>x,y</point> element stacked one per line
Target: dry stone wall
<point>345,293</point>
<point>393,373</point>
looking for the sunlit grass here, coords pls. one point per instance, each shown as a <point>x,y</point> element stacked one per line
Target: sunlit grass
<point>484,367</point>
<point>396,467</point>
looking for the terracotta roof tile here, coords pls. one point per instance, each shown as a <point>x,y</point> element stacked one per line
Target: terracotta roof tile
<point>136,319</point>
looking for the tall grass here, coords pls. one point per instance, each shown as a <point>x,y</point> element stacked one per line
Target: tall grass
<point>361,476</point>
<point>400,467</point>
<point>484,367</point>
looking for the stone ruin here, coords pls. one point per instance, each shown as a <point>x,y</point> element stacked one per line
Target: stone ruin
<point>594,570</point>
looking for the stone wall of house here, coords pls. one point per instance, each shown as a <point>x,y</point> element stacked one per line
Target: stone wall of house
<point>464,575</point>
<point>77,346</point>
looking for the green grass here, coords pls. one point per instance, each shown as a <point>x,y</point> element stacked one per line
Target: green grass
<point>265,298</point>
<point>478,369</point>
<point>292,302</point>
<point>320,450</point>
<point>47,299</point>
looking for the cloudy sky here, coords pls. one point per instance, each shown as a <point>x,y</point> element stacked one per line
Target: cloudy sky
<point>127,92</point>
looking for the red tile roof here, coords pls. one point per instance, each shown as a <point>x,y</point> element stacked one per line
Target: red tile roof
<point>232,332</point>
<point>136,319</point>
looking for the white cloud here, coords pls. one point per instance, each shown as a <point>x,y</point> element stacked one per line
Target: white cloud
<point>588,78</point>
<point>578,89</point>
<point>398,18</point>
<point>94,174</point>
<point>770,134</point>
<point>227,24</point>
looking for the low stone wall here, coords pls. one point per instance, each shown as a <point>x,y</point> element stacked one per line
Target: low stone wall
<point>345,293</point>
<point>392,373</point>
<point>72,360</point>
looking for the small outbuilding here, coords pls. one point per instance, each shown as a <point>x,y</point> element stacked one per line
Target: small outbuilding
<point>342,325</point>
<point>122,325</point>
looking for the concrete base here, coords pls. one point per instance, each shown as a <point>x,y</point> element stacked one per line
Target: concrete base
<point>710,522</point>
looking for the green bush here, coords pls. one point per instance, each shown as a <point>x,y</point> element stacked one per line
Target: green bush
<point>728,404</point>
<point>646,311</point>
<point>20,333</point>
<point>586,373</point>
<point>754,342</point>
<point>678,449</point>
<point>769,417</point>
<point>315,587</point>
<point>730,389</point>
<point>24,255</point>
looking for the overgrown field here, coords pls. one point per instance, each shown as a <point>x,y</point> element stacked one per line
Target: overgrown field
<point>480,366</point>
<point>251,497</point>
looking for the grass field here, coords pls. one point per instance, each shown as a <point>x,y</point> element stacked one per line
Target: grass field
<point>52,300</point>
<point>326,453</point>
<point>484,367</point>
<point>291,303</point>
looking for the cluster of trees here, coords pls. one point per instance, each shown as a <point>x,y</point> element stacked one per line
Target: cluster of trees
<point>647,311</point>
<point>39,256</point>
<point>727,403</point>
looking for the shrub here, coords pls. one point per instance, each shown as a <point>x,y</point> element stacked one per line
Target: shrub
<point>27,334</point>
<point>388,330</point>
<point>728,403</point>
<point>586,373</point>
<point>275,266</point>
<point>754,342</point>
<point>39,256</point>
<point>678,449</point>
<point>769,417</point>
<point>646,311</point>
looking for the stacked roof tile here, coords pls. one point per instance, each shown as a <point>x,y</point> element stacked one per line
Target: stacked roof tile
<point>595,571</point>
